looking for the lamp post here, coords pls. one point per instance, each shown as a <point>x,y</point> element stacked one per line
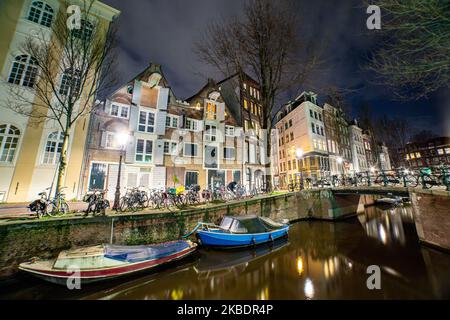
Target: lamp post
<point>299,155</point>
<point>121,140</point>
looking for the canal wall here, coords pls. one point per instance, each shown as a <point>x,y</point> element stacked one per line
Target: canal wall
<point>431,209</point>
<point>46,238</point>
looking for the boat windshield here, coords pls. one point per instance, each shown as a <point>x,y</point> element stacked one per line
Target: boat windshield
<point>252,225</point>
<point>226,223</point>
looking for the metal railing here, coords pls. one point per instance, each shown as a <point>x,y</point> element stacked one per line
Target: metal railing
<point>425,178</point>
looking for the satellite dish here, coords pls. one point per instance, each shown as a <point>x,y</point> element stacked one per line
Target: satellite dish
<point>154,79</point>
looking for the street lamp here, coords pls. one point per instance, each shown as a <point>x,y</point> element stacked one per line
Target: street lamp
<point>299,154</point>
<point>121,141</point>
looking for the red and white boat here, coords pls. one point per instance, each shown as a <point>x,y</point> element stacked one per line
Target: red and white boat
<point>104,262</point>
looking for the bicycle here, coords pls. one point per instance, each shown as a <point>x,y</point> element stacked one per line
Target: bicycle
<point>44,206</point>
<point>97,204</point>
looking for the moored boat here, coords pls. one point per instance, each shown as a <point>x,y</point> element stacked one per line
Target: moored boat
<point>241,231</point>
<point>104,262</point>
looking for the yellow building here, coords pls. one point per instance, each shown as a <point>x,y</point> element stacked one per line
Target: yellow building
<point>29,152</point>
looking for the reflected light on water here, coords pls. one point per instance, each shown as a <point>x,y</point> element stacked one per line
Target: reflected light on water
<point>176,294</point>
<point>299,265</point>
<point>264,294</point>
<point>309,289</point>
<point>382,233</point>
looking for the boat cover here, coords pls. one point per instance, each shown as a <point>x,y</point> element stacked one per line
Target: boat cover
<point>142,253</point>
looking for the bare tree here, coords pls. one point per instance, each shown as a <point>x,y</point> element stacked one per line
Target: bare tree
<point>414,59</point>
<point>264,43</point>
<point>71,67</point>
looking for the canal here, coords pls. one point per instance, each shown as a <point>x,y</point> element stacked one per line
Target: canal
<point>320,260</point>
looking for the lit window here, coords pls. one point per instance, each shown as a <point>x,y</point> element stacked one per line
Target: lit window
<point>111,141</point>
<point>144,150</point>
<point>41,13</point>
<point>211,111</point>
<point>228,153</point>
<point>146,121</point>
<point>24,71</point>
<point>70,82</point>
<point>417,154</point>
<point>53,147</point>
<point>440,151</point>
<point>245,104</point>
<point>9,138</point>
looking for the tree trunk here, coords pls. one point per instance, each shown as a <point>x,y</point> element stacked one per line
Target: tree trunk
<point>62,164</point>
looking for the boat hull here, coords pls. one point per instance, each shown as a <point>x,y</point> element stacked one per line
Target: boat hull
<point>217,238</point>
<point>45,270</point>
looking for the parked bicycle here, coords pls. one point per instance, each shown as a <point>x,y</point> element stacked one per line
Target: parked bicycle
<point>97,204</point>
<point>45,206</point>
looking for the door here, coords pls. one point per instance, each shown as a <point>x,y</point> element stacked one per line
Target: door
<point>191,178</point>
<point>98,176</point>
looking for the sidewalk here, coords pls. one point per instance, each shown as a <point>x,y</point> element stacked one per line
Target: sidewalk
<point>20,210</point>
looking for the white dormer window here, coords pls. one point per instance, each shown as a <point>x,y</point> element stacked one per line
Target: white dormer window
<point>229,131</point>
<point>119,111</point>
<point>171,121</point>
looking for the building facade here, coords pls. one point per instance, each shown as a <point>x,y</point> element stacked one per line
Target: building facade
<point>171,142</point>
<point>357,147</point>
<point>29,151</point>
<point>302,149</point>
<point>433,152</point>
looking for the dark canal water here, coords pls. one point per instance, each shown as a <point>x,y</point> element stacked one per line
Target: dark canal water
<point>321,260</point>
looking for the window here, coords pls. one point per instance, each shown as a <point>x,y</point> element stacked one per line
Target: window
<point>320,117</point>
<point>9,138</point>
<point>85,32</point>
<point>119,111</point>
<point>41,13</point>
<point>171,121</point>
<point>144,150</point>
<point>292,136</point>
<point>229,131</point>
<point>311,113</point>
<point>70,82</point>
<point>53,147</point>
<point>245,104</point>
<point>313,126</point>
<point>191,178</point>
<point>211,111</point>
<point>170,147</point>
<point>321,131</point>
<point>191,124</point>
<point>146,121</point>
<point>210,133</point>
<point>190,150</point>
<point>228,153</point>
<point>290,123</point>
<point>24,71</point>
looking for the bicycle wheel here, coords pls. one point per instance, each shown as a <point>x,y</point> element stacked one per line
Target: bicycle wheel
<point>412,181</point>
<point>63,207</point>
<point>123,204</point>
<point>51,209</point>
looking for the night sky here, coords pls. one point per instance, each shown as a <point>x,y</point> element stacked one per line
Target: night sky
<point>165,31</point>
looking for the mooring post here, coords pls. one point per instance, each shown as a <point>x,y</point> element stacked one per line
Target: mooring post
<point>112,231</point>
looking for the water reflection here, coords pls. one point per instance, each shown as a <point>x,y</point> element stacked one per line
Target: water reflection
<point>321,260</point>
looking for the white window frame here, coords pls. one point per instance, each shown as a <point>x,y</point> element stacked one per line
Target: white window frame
<point>209,135</point>
<point>54,158</point>
<point>173,147</point>
<point>46,9</point>
<point>230,131</point>
<point>120,108</point>
<point>171,119</point>
<point>147,126</point>
<point>14,139</point>
<point>193,124</point>
<point>145,151</point>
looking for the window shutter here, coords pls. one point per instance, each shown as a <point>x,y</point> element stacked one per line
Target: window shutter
<point>163,98</point>
<point>221,133</point>
<point>158,178</point>
<point>238,132</point>
<point>131,150</point>
<point>221,111</point>
<point>103,139</point>
<point>201,125</point>
<point>252,153</point>
<point>160,128</point>
<point>158,154</point>
<point>134,116</point>
<point>137,93</point>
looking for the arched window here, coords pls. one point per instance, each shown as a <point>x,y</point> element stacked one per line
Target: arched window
<point>41,13</point>
<point>24,71</point>
<point>70,80</point>
<point>85,32</point>
<point>9,138</point>
<point>53,147</point>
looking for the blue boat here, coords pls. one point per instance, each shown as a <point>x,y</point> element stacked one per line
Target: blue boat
<point>241,231</point>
